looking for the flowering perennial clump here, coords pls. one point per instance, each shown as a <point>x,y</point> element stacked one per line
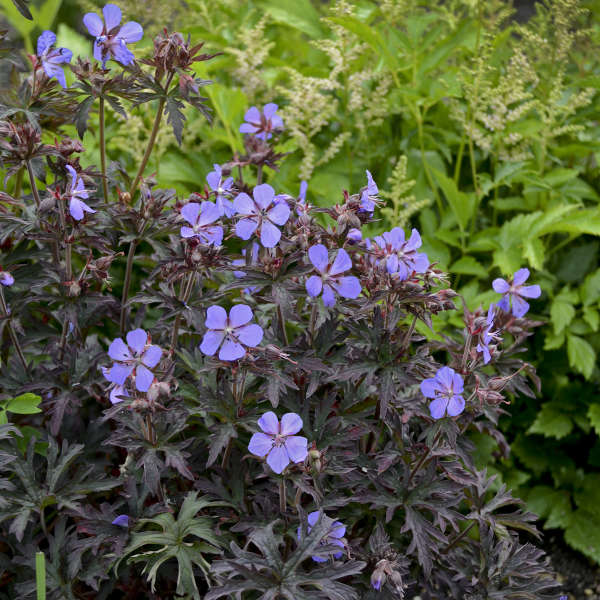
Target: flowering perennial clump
<point>130,467</point>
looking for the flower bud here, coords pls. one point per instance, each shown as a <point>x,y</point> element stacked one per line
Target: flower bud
<point>378,577</point>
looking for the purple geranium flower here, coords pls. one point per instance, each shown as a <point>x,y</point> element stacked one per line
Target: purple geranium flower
<point>200,217</point>
<point>77,207</point>
<point>221,189</point>
<point>230,334</point>
<point>53,58</point>
<point>354,235</point>
<point>136,357</point>
<point>112,39</point>
<point>367,203</point>
<point>330,277</point>
<point>121,521</point>
<point>445,389</point>
<point>278,442</point>
<point>263,213</point>
<point>398,255</point>
<point>262,124</point>
<point>301,205</point>
<point>513,293</point>
<point>487,336</point>
<point>333,536</point>
<point>6,279</point>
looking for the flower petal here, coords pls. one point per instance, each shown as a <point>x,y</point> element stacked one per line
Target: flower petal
<point>190,212</point>
<point>270,109</point>
<point>151,356</point>
<point>291,423</point>
<point>437,407</point>
<point>519,306</point>
<point>116,393</point>
<point>112,16</point>
<point>121,521</point>
<point>187,232</point>
<point>143,378</point>
<point>429,387</point>
<point>328,296</point>
<point>252,115</point>
<point>211,342</point>
<point>348,287</point>
<point>530,291</point>
<point>76,209</point>
<point>244,205</point>
<point>269,234</point>
<point>503,303</point>
<point>118,350</point>
<point>231,350</point>
<point>250,335</point>
<point>296,447</point>
<point>216,317</point>
<point>280,213</point>
<point>263,195</point>
<point>269,423</point>
<point>131,32</point>
<point>260,444</point>
<point>246,227</point>
<point>456,405</point>
<point>137,339</point>
<point>209,213</point>
<point>520,277</point>
<point>45,41</point>
<point>93,23</point>
<point>445,376</point>
<point>319,257</point>
<point>371,185</point>
<point>121,52</point>
<point>119,373</point>
<point>213,179</point>
<point>500,285</point>
<point>314,285</point>
<point>342,263</point>
<point>248,128</point>
<point>278,459</point>
<point>239,315</point>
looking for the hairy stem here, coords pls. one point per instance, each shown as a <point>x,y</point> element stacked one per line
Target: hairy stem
<point>126,284</point>
<point>34,190</point>
<point>313,322</point>
<point>185,296</point>
<point>11,332</point>
<point>411,330</point>
<point>151,140</point>
<point>103,149</point>
<point>282,324</point>
<point>423,458</point>
<point>18,183</point>
<point>282,496</point>
<point>259,174</point>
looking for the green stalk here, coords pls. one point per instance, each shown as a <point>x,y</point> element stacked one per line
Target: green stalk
<point>18,183</point>
<point>152,140</point>
<point>40,575</point>
<point>34,190</point>
<point>424,161</point>
<point>259,174</point>
<point>126,284</point>
<point>12,333</point>
<point>187,292</point>
<point>282,496</point>
<point>103,149</point>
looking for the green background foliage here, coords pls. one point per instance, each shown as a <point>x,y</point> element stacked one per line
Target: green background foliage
<point>480,131</point>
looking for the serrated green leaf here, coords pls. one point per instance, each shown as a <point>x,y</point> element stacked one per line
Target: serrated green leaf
<point>467,265</point>
<point>562,314</point>
<point>583,533</point>
<point>551,421</point>
<point>594,416</point>
<point>461,203</point>
<point>582,356</point>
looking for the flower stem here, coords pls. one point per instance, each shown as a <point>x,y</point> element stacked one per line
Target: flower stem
<point>103,149</point>
<point>259,174</point>
<point>282,323</point>
<point>282,496</point>
<point>18,183</point>
<point>152,140</point>
<point>185,296</point>
<point>34,190</point>
<point>313,323</point>
<point>11,332</point>
<point>126,284</point>
<point>423,458</point>
<point>408,336</point>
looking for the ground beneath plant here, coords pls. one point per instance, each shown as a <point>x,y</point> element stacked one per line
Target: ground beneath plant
<point>580,577</point>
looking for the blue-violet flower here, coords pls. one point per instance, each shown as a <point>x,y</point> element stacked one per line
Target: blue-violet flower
<point>445,389</point>
<point>222,189</point>
<point>201,217</point>
<point>53,58</point>
<point>77,207</point>
<point>514,291</point>
<point>262,124</point>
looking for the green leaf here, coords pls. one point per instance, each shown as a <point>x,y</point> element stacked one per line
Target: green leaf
<point>583,533</point>
<point>550,504</point>
<point>467,265</point>
<point>40,575</point>
<point>592,317</point>
<point>582,356</point>
<point>25,404</point>
<point>586,220</point>
<point>590,289</point>
<point>562,314</point>
<point>462,204</point>
<point>594,416</point>
<point>551,421</point>
<point>300,14</point>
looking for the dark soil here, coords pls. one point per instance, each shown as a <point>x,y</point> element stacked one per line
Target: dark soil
<point>579,576</point>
